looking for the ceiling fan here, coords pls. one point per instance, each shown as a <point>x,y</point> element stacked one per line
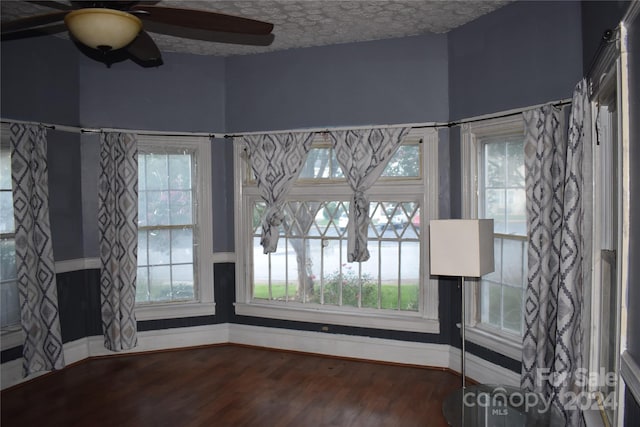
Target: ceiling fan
<point>111,31</point>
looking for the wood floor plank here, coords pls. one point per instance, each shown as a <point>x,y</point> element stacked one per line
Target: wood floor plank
<point>230,386</point>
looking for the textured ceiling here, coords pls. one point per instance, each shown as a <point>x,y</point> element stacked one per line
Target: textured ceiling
<point>312,22</point>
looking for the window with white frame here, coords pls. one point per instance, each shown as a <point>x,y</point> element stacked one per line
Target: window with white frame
<point>175,272</point>
<point>308,278</point>
<point>494,187</point>
<point>10,306</point>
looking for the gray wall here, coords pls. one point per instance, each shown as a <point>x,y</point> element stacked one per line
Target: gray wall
<point>40,83</point>
<point>40,80</point>
<point>386,81</point>
<point>187,93</point>
<point>65,194</point>
<point>525,53</point>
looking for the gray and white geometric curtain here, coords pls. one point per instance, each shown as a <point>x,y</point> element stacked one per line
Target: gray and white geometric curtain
<point>363,154</point>
<point>36,276</point>
<point>118,232</point>
<point>555,214</point>
<point>276,161</point>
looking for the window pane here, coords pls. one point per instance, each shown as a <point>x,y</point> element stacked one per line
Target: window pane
<point>6,212</point>
<point>512,262</point>
<point>494,207</point>
<point>182,281</point>
<point>143,258</point>
<point>331,271</point>
<point>142,208</point>
<point>180,171</point>
<point>496,275</point>
<point>10,313</point>
<point>512,305</point>
<point>389,274</point>
<point>350,285</point>
<point>142,172</point>
<point>515,164</point>
<point>336,170</point>
<point>160,283</point>
<point>158,208</point>
<point>404,163</point>
<point>295,250</point>
<point>410,275</point>
<point>516,212</point>
<point>490,303</point>
<point>318,164</point>
<point>5,168</point>
<point>260,271</point>
<point>7,259</point>
<point>142,285</point>
<point>159,245</point>
<point>182,246</point>
<point>157,172</point>
<point>181,207</point>
<point>495,164</point>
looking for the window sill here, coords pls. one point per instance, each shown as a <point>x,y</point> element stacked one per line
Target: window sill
<point>11,337</point>
<point>174,310</point>
<point>412,322</point>
<point>492,340</point>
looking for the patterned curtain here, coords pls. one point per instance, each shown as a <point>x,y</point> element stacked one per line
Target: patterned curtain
<point>42,350</point>
<point>118,231</point>
<point>363,155</point>
<point>555,196</point>
<point>276,161</point>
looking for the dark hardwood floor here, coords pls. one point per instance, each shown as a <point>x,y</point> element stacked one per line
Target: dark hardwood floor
<point>230,385</point>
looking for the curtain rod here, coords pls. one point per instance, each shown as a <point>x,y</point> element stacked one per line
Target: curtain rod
<point>423,125</point>
<point>81,130</point>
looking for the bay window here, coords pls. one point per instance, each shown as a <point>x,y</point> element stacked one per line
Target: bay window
<point>308,277</point>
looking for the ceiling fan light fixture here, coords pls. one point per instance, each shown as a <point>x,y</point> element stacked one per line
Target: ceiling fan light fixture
<point>103,29</point>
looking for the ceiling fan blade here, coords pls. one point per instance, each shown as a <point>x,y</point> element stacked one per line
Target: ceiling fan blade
<point>202,20</point>
<point>144,48</point>
<point>32,21</point>
<point>51,4</point>
<point>34,32</point>
<point>210,36</point>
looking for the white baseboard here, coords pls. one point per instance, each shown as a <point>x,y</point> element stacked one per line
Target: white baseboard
<point>165,339</point>
<point>351,346</point>
<point>356,347</point>
<point>481,370</point>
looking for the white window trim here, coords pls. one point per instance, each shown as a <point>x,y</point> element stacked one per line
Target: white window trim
<point>470,133</point>
<point>426,322</point>
<point>204,305</point>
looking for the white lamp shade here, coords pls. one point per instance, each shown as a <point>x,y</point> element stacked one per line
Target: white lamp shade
<point>461,247</point>
<point>106,29</point>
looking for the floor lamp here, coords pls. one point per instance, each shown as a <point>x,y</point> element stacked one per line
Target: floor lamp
<point>463,248</point>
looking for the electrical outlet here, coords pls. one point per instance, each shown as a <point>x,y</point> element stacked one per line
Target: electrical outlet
<point>325,328</point>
